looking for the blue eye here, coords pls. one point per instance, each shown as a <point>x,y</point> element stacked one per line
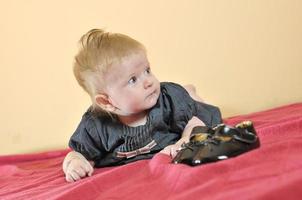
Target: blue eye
<point>148,70</point>
<point>132,80</point>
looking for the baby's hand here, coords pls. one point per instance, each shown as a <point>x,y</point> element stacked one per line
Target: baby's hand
<point>172,150</point>
<point>76,166</point>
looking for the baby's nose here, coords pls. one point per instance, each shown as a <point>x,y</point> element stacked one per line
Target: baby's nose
<point>147,83</point>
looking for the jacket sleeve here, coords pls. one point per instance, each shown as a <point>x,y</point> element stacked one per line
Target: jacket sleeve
<point>87,141</point>
<point>182,108</point>
<point>209,114</point>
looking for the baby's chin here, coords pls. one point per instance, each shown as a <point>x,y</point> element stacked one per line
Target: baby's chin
<point>147,105</point>
<point>152,99</point>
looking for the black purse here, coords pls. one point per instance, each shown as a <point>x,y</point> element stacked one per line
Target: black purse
<point>217,143</point>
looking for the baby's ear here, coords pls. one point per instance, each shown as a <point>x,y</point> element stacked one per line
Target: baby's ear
<point>103,101</point>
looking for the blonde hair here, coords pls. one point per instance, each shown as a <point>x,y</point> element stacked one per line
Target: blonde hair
<point>98,51</point>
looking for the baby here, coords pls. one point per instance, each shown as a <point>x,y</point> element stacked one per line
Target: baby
<point>133,115</point>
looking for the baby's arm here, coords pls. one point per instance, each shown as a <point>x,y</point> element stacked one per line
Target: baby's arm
<point>76,166</point>
<point>185,137</point>
<point>172,149</point>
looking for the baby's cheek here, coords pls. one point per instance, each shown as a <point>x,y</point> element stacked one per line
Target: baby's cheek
<point>129,103</point>
<point>137,104</point>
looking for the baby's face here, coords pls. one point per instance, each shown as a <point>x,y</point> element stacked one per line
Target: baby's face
<point>131,86</point>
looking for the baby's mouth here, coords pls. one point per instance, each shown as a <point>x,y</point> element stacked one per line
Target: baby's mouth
<point>151,94</point>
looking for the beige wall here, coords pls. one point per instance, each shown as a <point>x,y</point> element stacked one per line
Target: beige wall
<point>243,56</point>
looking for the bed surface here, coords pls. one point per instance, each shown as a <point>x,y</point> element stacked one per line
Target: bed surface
<point>273,171</point>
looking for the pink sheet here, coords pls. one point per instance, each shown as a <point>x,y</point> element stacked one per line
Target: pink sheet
<point>274,171</point>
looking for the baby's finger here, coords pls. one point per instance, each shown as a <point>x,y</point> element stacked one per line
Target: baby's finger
<point>89,169</point>
<point>175,150</point>
<point>84,170</point>
<point>81,172</point>
<point>90,172</point>
<point>69,178</point>
<point>75,176</point>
